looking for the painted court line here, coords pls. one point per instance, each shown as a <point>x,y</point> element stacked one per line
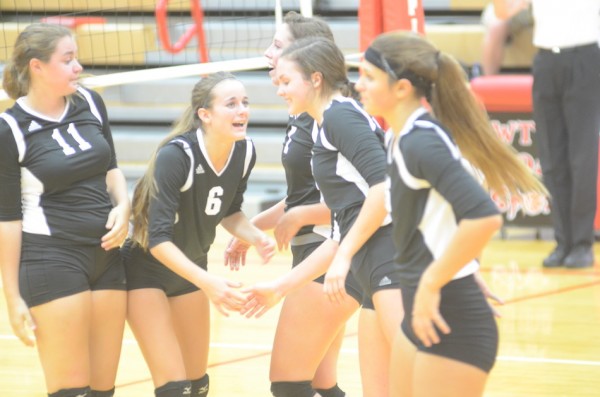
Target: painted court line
<point>266,349</point>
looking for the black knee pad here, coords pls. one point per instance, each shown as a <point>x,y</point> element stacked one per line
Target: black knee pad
<point>292,389</point>
<point>335,391</point>
<point>107,393</point>
<point>181,388</point>
<point>200,387</point>
<point>76,392</point>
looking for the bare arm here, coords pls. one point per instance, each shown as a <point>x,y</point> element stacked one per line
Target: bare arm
<point>221,292</point>
<point>118,218</point>
<point>267,219</point>
<point>263,296</point>
<point>471,237</point>
<point>506,9</point>
<point>295,218</point>
<point>10,256</point>
<point>370,218</point>
<point>241,227</point>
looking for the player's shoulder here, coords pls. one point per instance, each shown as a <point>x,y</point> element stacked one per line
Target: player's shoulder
<point>302,121</point>
<point>244,144</point>
<point>85,94</point>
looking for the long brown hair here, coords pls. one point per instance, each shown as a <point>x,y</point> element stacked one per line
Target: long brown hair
<point>440,78</point>
<point>38,40</point>
<point>145,189</point>
<point>316,54</point>
<point>301,26</point>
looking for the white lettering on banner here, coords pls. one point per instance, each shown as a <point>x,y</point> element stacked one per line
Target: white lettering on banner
<point>520,132</point>
<point>531,204</point>
<point>507,131</point>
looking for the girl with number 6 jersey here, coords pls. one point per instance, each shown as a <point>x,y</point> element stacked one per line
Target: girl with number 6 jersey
<point>195,182</point>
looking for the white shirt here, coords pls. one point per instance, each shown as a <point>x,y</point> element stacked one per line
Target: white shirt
<point>565,23</point>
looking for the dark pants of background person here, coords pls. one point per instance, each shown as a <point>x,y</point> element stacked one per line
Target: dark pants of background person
<point>566,110</point>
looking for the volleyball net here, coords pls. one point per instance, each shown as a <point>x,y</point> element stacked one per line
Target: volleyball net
<point>139,34</point>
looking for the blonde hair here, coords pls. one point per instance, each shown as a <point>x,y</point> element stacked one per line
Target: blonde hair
<point>38,40</point>
<point>145,189</point>
<point>440,78</point>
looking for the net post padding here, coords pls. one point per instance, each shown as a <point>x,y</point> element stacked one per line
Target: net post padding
<point>379,16</point>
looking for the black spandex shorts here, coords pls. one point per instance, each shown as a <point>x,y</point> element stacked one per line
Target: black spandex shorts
<point>144,271</point>
<point>373,265</point>
<point>300,252</point>
<point>474,333</point>
<point>53,268</point>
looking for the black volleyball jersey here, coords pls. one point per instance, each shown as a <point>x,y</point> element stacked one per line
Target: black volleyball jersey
<point>301,133</point>
<point>53,171</point>
<point>432,188</point>
<point>348,158</point>
<point>192,197</point>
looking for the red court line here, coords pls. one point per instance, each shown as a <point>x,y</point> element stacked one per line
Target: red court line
<point>506,302</point>
<point>552,292</point>
<point>218,364</point>
<point>236,360</point>
<point>594,271</point>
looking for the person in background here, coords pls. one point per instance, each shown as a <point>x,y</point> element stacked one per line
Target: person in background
<point>348,164</point>
<point>310,329</point>
<point>499,32</point>
<point>442,216</point>
<point>195,181</point>
<point>566,111</point>
<point>64,213</point>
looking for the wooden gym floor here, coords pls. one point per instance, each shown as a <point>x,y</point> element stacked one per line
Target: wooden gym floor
<point>549,334</point>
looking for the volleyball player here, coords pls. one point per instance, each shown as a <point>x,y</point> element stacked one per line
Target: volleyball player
<point>348,164</point>
<point>63,214</point>
<point>195,182</point>
<point>310,329</point>
<point>442,217</point>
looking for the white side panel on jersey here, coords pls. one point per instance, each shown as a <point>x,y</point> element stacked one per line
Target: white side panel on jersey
<point>92,104</point>
<point>249,150</point>
<point>438,226</point>
<point>34,219</point>
<point>315,131</point>
<point>411,181</point>
<point>188,151</point>
<point>290,133</point>
<point>17,134</point>
<point>346,170</point>
<point>335,232</point>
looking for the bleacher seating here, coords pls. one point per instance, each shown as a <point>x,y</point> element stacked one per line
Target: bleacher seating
<point>142,112</point>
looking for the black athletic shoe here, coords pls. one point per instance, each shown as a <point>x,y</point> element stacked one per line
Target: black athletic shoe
<point>580,257</point>
<point>556,258</point>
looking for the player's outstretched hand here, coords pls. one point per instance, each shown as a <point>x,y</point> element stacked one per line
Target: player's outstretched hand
<point>225,294</point>
<point>235,253</point>
<point>260,298</point>
<point>265,248</point>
